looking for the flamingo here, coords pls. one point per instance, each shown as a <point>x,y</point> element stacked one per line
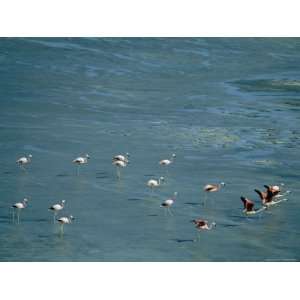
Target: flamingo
<point>208,188</point>
<point>275,189</point>
<point>169,202</point>
<point>270,194</point>
<point>63,221</point>
<point>22,161</point>
<point>266,197</point>
<point>152,183</point>
<point>249,207</point>
<point>19,206</point>
<point>81,161</point>
<point>120,157</point>
<point>56,208</point>
<point>203,225</point>
<point>166,162</point>
<point>120,161</point>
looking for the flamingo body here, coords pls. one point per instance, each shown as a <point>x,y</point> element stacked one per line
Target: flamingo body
<point>81,160</point>
<point>166,162</point>
<point>203,224</point>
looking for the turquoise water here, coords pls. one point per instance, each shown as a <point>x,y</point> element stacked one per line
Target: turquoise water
<point>228,108</point>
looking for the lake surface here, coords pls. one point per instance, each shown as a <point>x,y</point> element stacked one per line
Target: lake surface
<point>228,107</point>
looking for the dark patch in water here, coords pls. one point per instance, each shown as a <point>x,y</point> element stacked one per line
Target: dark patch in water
<point>103,176</point>
<point>7,172</point>
<point>134,199</point>
<point>229,225</point>
<point>183,240</point>
<point>153,215</point>
<point>62,175</point>
<point>149,175</point>
<point>193,203</point>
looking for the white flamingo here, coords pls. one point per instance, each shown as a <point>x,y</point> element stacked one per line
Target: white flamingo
<point>153,183</point>
<point>81,161</point>
<point>120,161</point>
<point>64,220</point>
<point>25,160</point>
<point>56,208</point>
<point>168,203</point>
<point>166,162</point>
<point>19,206</point>
<point>120,157</point>
<point>209,188</point>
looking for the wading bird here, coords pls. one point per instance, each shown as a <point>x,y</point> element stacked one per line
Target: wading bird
<point>249,207</point>
<point>19,206</point>
<point>166,162</point>
<point>25,160</point>
<point>212,188</point>
<point>63,221</point>
<point>153,183</point>
<point>202,225</point>
<point>120,157</point>
<point>168,203</point>
<point>268,197</point>
<point>81,161</point>
<point>56,208</point>
<point>120,161</point>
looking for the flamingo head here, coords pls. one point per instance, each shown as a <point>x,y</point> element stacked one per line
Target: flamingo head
<point>30,155</point>
<point>25,200</point>
<point>214,224</point>
<point>71,218</point>
<point>87,156</point>
<point>162,178</point>
<point>63,201</point>
<point>222,183</point>
<point>173,155</point>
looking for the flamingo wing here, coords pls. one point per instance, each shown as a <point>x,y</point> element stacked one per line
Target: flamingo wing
<point>260,194</point>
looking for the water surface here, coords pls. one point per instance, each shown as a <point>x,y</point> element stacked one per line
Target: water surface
<point>228,108</point>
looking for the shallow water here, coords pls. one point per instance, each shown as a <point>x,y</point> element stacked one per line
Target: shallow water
<point>229,109</point>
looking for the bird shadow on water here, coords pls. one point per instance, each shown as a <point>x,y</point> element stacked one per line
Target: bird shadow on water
<point>194,203</point>
<point>102,175</point>
<point>63,175</point>
<point>183,240</point>
<point>134,199</point>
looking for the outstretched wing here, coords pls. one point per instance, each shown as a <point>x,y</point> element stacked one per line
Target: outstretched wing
<point>261,195</point>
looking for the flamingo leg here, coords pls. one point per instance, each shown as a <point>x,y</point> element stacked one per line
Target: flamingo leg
<point>18,215</point>
<point>152,191</point>
<point>61,229</point>
<point>118,173</point>
<point>169,211</point>
<point>198,236</point>
<point>13,215</point>
<point>77,171</point>
<point>54,217</point>
<point>23,168</point>
<point>167,171</point>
